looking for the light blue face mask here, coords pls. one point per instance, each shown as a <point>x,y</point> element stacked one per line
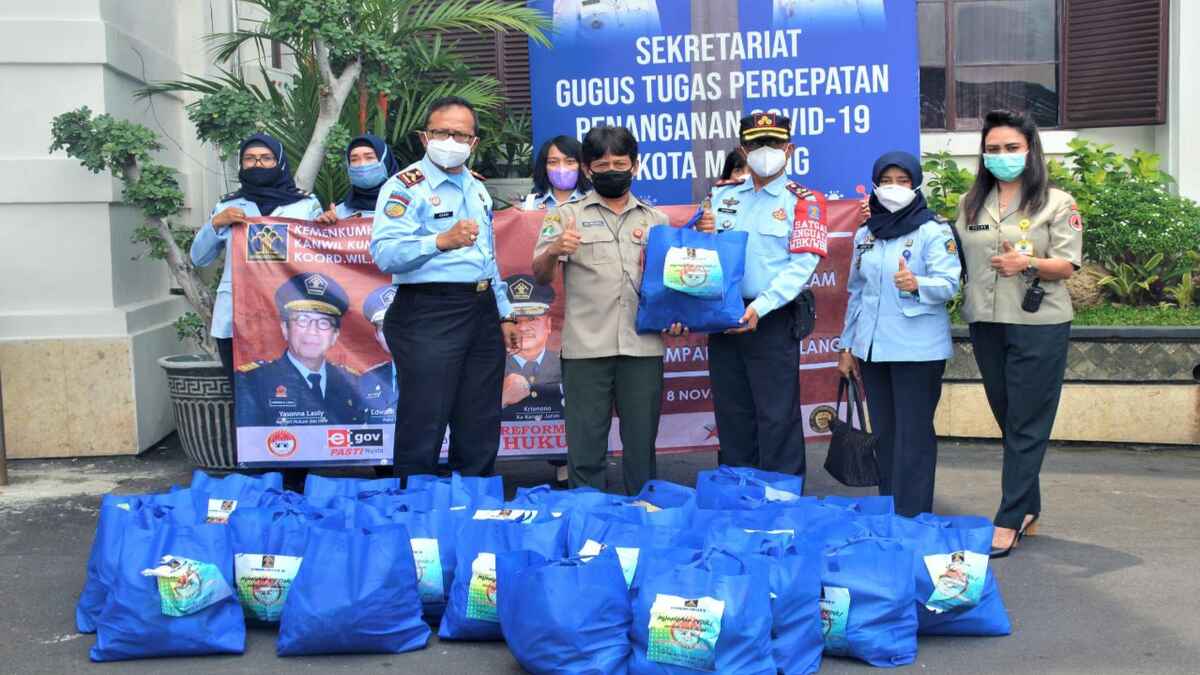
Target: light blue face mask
<point>367,176</point>
<point>1005,167</point>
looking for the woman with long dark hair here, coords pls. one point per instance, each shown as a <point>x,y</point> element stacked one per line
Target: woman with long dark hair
<point>1021,241</point>
<point>556,175</point>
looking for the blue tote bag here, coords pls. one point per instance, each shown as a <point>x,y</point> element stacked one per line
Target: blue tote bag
<point>116,513</point>
<point>728,487</point>
<point>491,487</point>
<point>693,278</point>
<point>268,549</point>
<point>565,616</point>
<point>956,590</point>
<point>795,582</point>
<point>471,612</point>
<point>432,538</point>
<point>710,614</point>
<point>173,595</point>
<point>356,593</point>
<point>320,489</point>
<point>866,609</point>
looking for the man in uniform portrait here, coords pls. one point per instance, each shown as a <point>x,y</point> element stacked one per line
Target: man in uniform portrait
<point>301,387</point>
<point>533,375</point>
<point>377,386</point>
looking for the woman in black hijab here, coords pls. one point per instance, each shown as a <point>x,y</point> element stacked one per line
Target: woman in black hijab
<point>904,270</point>
<point>267,188</point>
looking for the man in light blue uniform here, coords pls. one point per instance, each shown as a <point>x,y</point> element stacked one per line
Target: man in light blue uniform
<point>267,189</point>
<point>377,386</point>
<point>451,322</point>
<point>754,369</point>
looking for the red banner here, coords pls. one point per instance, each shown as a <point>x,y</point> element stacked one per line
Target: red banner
<point>304,297</point>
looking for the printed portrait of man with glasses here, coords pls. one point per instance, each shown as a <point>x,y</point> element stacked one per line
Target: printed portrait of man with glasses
<point>302,387</point>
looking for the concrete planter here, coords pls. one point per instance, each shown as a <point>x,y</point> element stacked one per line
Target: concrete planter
<point>1123,385</point>
<point>203,405</point>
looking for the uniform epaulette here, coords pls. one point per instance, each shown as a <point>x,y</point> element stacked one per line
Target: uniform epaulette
<point>729,181</point>
<point>410,177</point>
<point>478,176</point>
<point>799,190</point>
<point>231,195</point>
<point>940,219</point>
<point>247,367</point>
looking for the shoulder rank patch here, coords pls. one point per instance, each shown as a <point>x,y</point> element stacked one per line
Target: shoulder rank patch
<point>411,177</point>
<point>729,181</point>
<point>799,190</point>
<point>231,195</point>
<point>247,367</point>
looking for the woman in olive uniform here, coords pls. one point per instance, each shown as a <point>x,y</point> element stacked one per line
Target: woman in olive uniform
<point>1021,241</point>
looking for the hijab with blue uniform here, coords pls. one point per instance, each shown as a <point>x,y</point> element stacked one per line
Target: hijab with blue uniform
<point>366,179</point>
<point>887,224</point>
<point>268,188</point>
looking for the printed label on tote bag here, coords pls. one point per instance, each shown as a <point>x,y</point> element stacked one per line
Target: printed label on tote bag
<point>835,612</point>
<point>684,631</point>
<point>627,556</point>
<point>187,586</point>
<point>219,510</point>
<point>481,592</point>
<point>695,271</point>
<point>263,581</point>
<point>428,557</point>
<point>957,580</point>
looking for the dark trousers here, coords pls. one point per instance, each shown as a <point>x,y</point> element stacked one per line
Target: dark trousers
<point>903,397</point>
<point>1022,369</point>
<point>225,351</point>
<point>590,387</point>
<point>449,354</point>
<point>756,394</point>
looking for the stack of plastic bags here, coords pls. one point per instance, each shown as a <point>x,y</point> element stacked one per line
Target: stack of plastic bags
<point>742,574</point>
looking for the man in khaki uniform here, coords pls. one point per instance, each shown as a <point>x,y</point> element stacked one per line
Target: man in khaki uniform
<point>599,239</point>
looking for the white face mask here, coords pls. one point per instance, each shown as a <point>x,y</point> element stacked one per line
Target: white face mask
<point>448,153</point>
<point>766,161</point>
<point>894,197</point>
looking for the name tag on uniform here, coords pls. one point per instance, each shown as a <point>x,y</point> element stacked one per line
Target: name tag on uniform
<point>443,214</point>
<point>980,227</point>
<point>725,210</point>
<point>866,246</point>
<point>593,223</point>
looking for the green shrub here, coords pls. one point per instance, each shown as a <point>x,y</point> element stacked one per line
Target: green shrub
<point>945,184</point>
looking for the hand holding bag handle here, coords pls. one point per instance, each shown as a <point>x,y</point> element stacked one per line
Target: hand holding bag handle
<point>851,458</point>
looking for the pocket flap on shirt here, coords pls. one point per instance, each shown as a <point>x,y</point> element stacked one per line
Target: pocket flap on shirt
<point>776,228</point>
<point>914,307</point>
<point>595,233</point>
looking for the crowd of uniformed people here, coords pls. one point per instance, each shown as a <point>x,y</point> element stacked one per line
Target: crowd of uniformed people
<point>467,344</point>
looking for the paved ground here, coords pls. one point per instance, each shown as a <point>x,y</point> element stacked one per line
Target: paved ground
<point>1109,586</point>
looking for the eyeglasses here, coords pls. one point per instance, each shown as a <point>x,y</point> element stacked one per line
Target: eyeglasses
<point>443,134</point>
<point>764,143</point>
<point>258,160</point>
<point>602,165</point>
<point>305,322</point>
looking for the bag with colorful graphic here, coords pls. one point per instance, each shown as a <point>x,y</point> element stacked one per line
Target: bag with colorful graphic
<point>491,487</point>
<point>866,604</point>
<point>173,595</point>
<point>956,592</point>
<point>227,493</point>
<point>432,537</point>
<point>117,514</point>
<point>471,608</point>
<point>268,548</point>
<point>693,278</point>
<point>564,616</point>
<point>728,487</point>
<point>356,593</point>
<point>710,614</point>
<point>795,583</point>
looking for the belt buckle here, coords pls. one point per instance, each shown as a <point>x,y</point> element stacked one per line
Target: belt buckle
<point>482,285</point>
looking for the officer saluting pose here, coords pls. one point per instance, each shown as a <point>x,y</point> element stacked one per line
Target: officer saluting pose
<point>301,387</point>
<point>450,322</point>
<point>754,368</point>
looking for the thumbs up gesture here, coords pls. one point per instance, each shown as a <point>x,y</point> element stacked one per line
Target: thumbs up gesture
<point>1009,263</point>
<point>904,279</point>
<point>568,241</point>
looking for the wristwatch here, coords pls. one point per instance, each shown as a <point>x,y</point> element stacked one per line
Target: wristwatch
<point>1031,269</point>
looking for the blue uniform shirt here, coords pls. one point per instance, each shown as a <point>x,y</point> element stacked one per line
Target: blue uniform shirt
<point>534,202</point>
<point>888,324</point>
<point>209,243</point>
<point>415,206</point>
<point>344,211</point>
<point>774,275</point>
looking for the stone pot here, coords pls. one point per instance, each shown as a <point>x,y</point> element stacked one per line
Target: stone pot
<point>203,404</point>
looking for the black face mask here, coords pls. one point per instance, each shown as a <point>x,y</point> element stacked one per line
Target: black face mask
<point>259,176</point>
<point>612,184</point>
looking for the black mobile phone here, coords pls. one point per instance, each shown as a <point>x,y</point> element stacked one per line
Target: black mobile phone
<point>1033,297</point>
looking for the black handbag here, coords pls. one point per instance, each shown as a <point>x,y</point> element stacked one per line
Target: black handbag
<point>851,459</point>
